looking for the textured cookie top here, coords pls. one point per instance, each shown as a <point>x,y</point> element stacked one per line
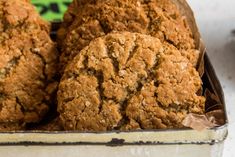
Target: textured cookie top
<point>28,61</point>
<point>27,65</point>
<point>85,21</point>
<point>20,14</point>
<point>128,81</point>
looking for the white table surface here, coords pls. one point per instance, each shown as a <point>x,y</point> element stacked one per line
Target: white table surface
<point>216,20</point>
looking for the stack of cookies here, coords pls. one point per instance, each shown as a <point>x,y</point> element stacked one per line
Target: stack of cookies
<point>127,65</point>
<point>124,65</point>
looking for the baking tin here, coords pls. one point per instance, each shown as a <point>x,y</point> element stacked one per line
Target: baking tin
<point>145,143</point>
<point>149,143</point>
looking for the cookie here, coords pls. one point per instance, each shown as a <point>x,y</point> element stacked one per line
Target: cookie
<point>128,81</point>
<point>28,65</point>
<point>92,19</point>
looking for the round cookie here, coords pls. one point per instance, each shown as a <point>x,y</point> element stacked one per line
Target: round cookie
<point>128,81</point>
<point>28,65</point>
<point>158,18</point>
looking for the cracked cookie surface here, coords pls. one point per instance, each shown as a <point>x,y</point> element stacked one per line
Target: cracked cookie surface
<point>128,81</point>
<point>28,61</point>
<point>87,20</point>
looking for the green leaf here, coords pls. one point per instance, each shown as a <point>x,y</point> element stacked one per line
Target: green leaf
<point>51,10</point>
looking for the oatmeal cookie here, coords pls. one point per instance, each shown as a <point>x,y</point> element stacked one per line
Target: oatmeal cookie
<point>92,19</point>
<point>28,63</point>
<point>128,81</point>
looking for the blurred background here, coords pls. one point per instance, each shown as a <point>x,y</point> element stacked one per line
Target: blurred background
<point>216,21</point>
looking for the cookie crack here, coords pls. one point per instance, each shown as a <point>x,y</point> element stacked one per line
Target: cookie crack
<point>9,67</point>
<point>114,60</point>
<point>140,84</point>
<point>133,51</point>
<point>44,80</point>
<point>5,25</point>
<point>170,41</point>
<point>105,27</point>
<point>2,97</point>
<point>100,79</point>
<point>36,52</point>
<point>22,108</point>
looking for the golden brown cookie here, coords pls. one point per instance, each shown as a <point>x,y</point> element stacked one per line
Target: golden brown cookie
<point>85,21</point>
<point>28,62</point>
<point>128,81</point>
